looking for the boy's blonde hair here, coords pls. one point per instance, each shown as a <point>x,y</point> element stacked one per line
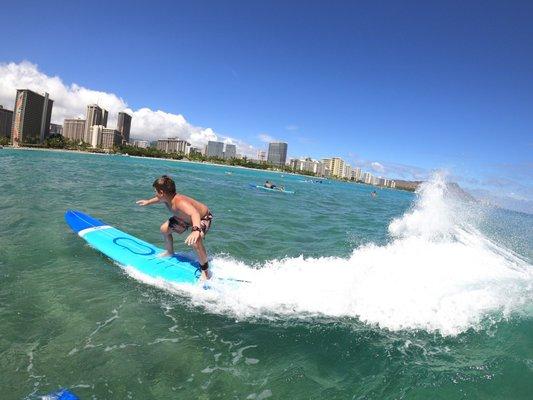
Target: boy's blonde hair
<point>165,184</point>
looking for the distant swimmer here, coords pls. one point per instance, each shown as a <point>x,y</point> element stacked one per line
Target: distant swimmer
<point>187,213</point>
<point>373,194</point>
<point>269,185</point>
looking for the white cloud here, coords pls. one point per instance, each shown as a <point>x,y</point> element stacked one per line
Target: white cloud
<point>153,125</point>
<point>377,167</point>
<point>292,127</point>
<point>70,101</point>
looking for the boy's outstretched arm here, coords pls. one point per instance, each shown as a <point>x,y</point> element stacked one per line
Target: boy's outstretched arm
<point>153,200</point>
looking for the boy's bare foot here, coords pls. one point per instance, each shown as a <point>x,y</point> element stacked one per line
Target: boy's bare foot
<point>164,254</point>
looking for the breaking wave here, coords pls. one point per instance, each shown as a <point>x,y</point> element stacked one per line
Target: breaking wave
<point>438,273</point>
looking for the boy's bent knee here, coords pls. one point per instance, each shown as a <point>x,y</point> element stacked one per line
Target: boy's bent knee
<point>165,229</point>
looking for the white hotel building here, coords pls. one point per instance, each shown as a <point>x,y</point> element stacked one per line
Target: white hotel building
<point>143,144</point>
<point>173,145</point>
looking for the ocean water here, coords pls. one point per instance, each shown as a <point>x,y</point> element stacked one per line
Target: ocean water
<point>405,296</point>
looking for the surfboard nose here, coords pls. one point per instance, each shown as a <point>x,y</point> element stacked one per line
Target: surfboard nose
<point>79,221</point>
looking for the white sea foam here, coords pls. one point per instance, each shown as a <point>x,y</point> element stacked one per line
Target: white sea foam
<point>438,273</point>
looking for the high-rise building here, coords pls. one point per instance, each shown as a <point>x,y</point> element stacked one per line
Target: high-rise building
<point>124,126</point>
<point>356,174</point>
<point>321,169</point>
<point>110,138</point>
<point>337,167</point>
<point>326,162</point>
<point>162,145</point>
<point>31,117</point>
<point>368,178</point>
<point>311,165</point>
<point>105,138</point>
<point>230,151</point>
<point>96,135</point>
<point>294,163</point>
<point>74,129</point>
<point>143,144</point>
<point>104,117</point>
<point>173,145</point>
<point>277,153</point>
<point>261,155</point>
<point>182,146</point>
<point>6,120</point>
<point>56,129</point>
<point>307,165</point>
<point>347,173</point>
<point>215,149</point>
<point>95,116</point>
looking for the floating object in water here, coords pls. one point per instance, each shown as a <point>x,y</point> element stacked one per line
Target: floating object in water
<point>276,189</point>
<point>61,394</point>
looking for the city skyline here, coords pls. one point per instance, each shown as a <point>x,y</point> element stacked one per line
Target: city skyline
<point>93,131</point>
<point>396,89</point>
<point>29,123</point>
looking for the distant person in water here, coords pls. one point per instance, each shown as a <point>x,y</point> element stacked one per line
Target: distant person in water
<point>186,213</point>
<point>373,194</point>
<point>269,185</point>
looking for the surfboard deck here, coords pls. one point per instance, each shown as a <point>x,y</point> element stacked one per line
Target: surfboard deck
<point>129,251</point>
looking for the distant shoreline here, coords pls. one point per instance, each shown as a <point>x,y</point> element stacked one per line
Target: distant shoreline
<point>204,163</point>
<point>153,158</point>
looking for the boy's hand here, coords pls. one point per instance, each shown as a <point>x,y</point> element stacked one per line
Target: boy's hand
<point>142,202</point>
<point>192,238</point>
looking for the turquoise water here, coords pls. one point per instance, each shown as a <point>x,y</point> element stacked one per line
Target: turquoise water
<point>402,296</point>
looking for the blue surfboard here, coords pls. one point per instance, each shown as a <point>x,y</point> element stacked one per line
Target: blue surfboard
<point>129,251</point>
<point>62,394</point>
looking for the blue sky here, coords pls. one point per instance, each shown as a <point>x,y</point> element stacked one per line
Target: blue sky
<point>409,85</point>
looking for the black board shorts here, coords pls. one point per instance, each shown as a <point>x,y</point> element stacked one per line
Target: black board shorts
<point>179,226</point>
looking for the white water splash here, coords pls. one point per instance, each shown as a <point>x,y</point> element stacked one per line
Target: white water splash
<point>438,273</point>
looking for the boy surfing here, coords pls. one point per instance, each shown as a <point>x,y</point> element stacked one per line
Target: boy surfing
<point>187,213</point>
